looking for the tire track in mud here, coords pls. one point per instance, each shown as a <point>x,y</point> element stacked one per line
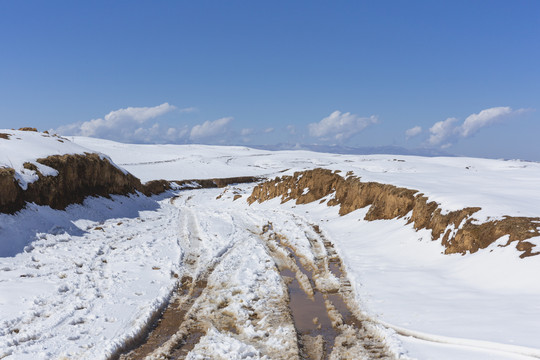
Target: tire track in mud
<point>177,329</point>
<point>173,318</point>
<point>318,304</point>
<point>323,311</point>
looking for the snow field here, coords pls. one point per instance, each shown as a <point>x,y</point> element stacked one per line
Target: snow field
<point>83,296</point>
<point>499,187</point>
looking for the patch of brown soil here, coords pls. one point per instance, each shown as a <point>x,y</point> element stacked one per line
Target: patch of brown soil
<point>4,136</point>
<point>167,325</point>
<point>390,202</point>
<point>155,187</point>
<point>158,186</point>
<point>28,129</point>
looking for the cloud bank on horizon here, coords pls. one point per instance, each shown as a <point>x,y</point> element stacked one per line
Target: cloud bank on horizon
<point>142,125</point>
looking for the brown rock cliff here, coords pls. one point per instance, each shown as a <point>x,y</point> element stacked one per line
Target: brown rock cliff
<point>458,230</point>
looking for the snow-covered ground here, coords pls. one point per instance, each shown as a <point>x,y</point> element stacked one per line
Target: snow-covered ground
<point>498,187</point>
<point>92,276</point>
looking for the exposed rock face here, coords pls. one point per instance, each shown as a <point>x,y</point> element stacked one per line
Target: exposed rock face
<point>10,192</point>
<point>28,129</point>
<point>158,186</point>
<point>457,230</point>
<point>78,176</point>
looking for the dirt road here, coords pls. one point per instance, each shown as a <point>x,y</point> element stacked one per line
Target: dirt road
<point>257,285</point>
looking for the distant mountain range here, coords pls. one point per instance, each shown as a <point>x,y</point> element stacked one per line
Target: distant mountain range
<point>361,150</point>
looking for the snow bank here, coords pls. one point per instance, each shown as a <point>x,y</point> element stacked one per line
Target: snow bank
<point>90,283</point>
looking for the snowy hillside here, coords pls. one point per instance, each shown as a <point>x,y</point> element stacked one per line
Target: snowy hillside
<point>20,147</point>
<point>92,278</point>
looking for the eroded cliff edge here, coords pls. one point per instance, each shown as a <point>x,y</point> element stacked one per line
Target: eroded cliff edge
<point>80,176</point>
<point>458,231</point>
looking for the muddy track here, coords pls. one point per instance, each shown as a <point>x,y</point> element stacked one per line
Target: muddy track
<point>177,330</point>
<point>318,302</point>
<point>328,323</point>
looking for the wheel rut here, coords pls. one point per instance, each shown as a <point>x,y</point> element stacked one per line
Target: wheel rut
<point>324,312</point>
<point>317,304</point>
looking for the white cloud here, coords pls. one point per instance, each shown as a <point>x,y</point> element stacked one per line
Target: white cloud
<point>484,118</point>
<point>188,110</point>
<point>209,128</point>
<point>448,131</point>
<point>441,131</point>
<point>122,124</point>
<point>413,131</point>
<point>268,130</point>
<point>127,116</point>
<point>340,126</point>
<point>246,132</point>
<point>291,129</point>
<point>174,134</point>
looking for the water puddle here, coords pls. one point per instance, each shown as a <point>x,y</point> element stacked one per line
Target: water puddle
<point>321,316</point>
<point>310,314</point>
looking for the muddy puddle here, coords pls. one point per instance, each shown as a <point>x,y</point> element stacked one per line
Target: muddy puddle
<point>310,315</point>
<point>321,316</point>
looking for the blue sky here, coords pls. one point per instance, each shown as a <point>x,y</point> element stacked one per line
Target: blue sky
<point>463,76</point>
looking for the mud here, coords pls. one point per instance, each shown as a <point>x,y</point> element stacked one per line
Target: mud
<point>458,231</point>
<point>324,317</point>
<point>168,324</point>
<point>199,305</point>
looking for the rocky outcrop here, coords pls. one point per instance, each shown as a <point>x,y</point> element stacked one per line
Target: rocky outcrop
<point>80,176</point>
<point>11,198</point>
<point>457,230</point>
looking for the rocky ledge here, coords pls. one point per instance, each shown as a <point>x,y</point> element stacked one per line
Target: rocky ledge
<point>458,231</point>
